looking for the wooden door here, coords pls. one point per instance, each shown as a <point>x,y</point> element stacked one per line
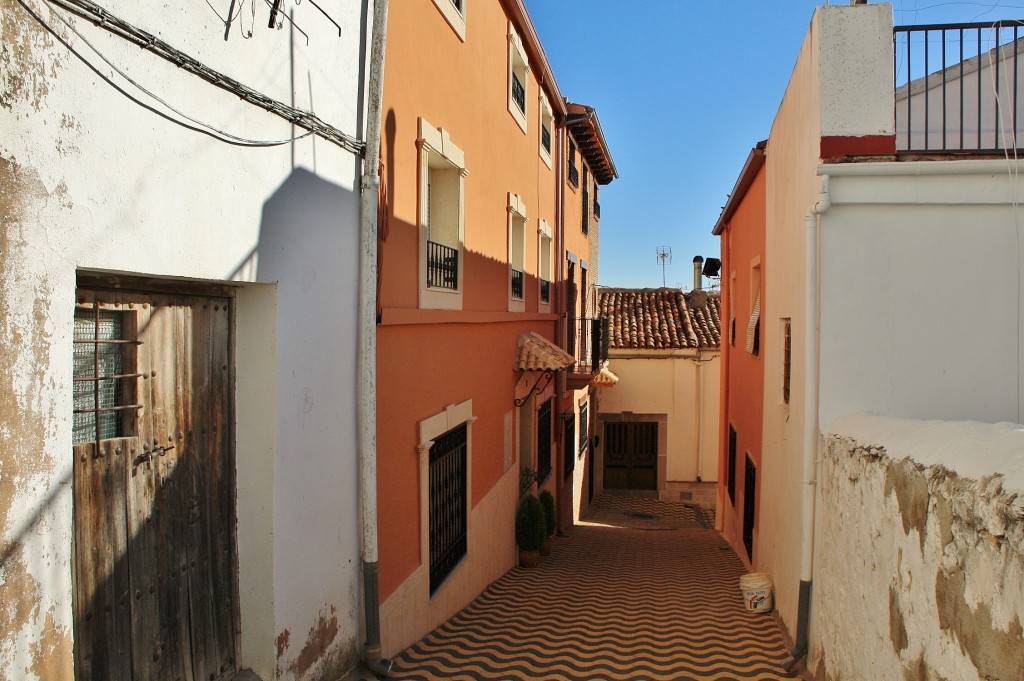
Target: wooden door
<point>631,456</point>
<point>155,558</point>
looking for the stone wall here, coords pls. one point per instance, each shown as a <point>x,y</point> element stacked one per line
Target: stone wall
<point>919,572</point>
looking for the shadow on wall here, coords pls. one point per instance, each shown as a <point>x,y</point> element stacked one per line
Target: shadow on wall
<point>309,245</point>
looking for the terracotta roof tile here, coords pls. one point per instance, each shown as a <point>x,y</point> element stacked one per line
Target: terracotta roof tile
<point>537,353</point>
<point>661,318</point>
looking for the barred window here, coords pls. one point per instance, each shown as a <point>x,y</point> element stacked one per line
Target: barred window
<point>448,504</point>
<point>103,364</point>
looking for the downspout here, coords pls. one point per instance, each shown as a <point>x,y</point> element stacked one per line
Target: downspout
<point>367,398</point>
<point>812,222</point>
<point>699,416</point>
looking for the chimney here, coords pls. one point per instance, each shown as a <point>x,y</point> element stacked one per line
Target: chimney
<point>698,264</point>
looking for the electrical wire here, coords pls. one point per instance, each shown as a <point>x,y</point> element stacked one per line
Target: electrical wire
<point>212,129</point>
<point>91,11</point>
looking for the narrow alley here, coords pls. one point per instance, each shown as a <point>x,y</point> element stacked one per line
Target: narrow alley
<point>641,589</point>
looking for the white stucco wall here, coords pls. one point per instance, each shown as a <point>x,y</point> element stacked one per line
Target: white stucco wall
<point>920,569</point>
<point>91,181</point>
<point>791,186</point>
<point>921,291</point>
<point>667,384</point>
<point>841,86</point>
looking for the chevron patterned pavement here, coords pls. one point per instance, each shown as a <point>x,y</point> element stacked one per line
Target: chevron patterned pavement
<point>641,589</point>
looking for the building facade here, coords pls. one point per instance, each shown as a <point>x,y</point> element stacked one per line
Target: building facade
<point>865,217</point>
<point>178,275</point>
<point>658,425</point>
<point>475,272</point>
<point>742,228</point>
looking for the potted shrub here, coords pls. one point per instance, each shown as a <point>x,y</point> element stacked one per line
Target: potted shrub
<point>547,502</point>
<point>530,530</point>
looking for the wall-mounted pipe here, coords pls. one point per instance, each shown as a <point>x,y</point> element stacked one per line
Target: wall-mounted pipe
<point>812,318</point>
<point>367,398</point>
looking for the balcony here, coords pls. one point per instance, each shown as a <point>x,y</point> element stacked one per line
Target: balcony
<point>588,343</point>
<point>442,266</point>
<point>545,138</point>
<point>517,284</point>
<point>958,88</point>
<point>545,291</point>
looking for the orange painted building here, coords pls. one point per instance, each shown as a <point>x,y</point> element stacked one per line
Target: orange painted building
<point>471,263</point>
<point>742,230</point>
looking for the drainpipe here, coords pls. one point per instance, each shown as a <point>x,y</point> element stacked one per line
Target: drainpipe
<point>698,409</point>
<point>810,435</point>
<point>367,397</point>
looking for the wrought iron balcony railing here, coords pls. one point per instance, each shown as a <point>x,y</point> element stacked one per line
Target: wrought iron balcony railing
<point>545,138</point>
<point>518,93</point>
<point>574,175</point>
<point>597,209</point>
<point>588,342</point>
<point>517,284</point>
<point>958,87</point>
<point>442,266</point>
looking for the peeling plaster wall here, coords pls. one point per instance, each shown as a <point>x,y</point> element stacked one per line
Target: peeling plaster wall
<point>919,573</point>
<point>92,181</point>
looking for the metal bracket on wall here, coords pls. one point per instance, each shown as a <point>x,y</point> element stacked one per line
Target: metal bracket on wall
<point>548,374</point>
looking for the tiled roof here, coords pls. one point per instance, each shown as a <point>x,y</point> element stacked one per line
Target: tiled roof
<point>537,353</point>
<point>605,379</point>
<point>661,318</point>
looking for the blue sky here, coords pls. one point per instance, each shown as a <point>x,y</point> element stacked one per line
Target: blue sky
<point>684,90</point>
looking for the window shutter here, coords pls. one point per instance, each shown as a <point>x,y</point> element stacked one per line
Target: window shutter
<point>755,315</point>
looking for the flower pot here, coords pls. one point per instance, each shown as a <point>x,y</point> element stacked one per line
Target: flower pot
<point>546,549</point>
<point>529,559</point>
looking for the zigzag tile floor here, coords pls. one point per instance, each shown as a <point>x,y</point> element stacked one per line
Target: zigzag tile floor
<point>614,600</point>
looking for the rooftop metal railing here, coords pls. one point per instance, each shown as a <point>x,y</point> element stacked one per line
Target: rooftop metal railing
<point>958,87</point>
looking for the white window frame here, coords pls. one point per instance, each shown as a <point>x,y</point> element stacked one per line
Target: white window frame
<point>755,310</point>
<point>516,248</point>
<point>437,151</point>
<point>547,121</point>
<point>455,17</point>
<point>545,262</point>
<point>519,65</point>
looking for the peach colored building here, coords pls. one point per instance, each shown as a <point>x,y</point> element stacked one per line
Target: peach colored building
<point>477,171</point>
<point>742,229</point>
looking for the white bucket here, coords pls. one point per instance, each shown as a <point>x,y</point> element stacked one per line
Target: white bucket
<point>757,592</point>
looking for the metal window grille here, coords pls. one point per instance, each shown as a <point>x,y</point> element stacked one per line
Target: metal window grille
<point>517,284</point>
<point>458,5</point>
<point>442,266</point>
<point>448,504</point>
<point>100,396</point>
<point>544,440</point>
<point>584,427</point>
<point>732,465</point>
<point>749,506</point>
<point>574,172</point>
<point>545,137</point>
<point>586,210</point>
<point>518,92</point>
<point>545,291</point>
<point>787,357</point>
<point>597,209</point>
<point>569,449</point>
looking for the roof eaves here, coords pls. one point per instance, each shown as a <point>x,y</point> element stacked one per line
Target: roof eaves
<point>584,118</point>
<point>755,160</point>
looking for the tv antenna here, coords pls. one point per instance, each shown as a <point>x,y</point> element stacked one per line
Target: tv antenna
<point>664,255</point>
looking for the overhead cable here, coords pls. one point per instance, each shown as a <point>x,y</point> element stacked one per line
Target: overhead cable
<point>104,19</point>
